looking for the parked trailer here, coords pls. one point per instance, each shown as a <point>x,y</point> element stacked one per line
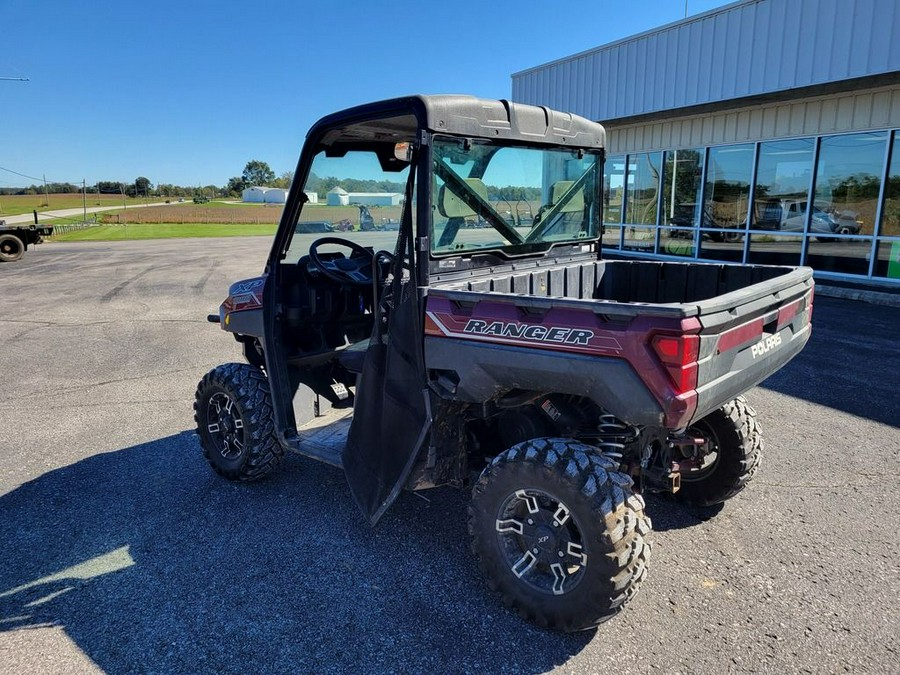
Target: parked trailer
<point>15,239</point>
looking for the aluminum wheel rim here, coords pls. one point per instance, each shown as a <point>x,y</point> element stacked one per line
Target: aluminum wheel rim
<point>225,426</point>
<point>541,541</point>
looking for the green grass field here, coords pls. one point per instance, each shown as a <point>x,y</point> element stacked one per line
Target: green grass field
<point>14,205</point>
<point>165,231</point>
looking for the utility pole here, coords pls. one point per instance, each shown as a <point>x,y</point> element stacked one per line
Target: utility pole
<point>46,192</point>
<point>84,198</point>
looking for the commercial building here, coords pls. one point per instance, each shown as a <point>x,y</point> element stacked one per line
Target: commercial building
<point>765,131</point>
<point>337,196</point>
<point>264,195</point>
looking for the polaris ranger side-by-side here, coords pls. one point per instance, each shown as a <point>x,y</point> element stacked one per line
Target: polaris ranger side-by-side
<point>510,359</point>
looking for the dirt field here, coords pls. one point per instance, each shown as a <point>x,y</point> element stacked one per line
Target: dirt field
<point>254,214</point>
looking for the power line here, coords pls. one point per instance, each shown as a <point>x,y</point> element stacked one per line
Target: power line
<point>25,175</point>
<point>3,168</point>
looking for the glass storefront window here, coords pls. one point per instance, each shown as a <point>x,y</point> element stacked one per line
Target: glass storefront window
<point>845,256</point>
<point>611,236</point>
<point>887,260</point>
<point>890,216</point>
<point>642,188</point>
<point>782,185</point>
<point>728,176</point>
<point>641,239</point>
<point>830,225</point>
<point>676,241</point>
<point>726,245</point>
<point>774,249</point>
<point>613,189</point>
<point>682,172</point>
<point>848,179</point>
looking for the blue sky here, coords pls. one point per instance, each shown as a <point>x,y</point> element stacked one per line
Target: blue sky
<point>188,92</point>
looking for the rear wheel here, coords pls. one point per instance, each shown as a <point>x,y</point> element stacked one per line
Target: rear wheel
<point>731,236</point>
<point>233,412</point>
<point>11,248</point>
<point>558,533</point>
<point>735,450</point>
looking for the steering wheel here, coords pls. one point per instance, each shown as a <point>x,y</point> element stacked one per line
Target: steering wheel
<point>354,271</point>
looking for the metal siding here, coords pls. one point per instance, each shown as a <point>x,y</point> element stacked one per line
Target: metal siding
<point>629,100</point>
<point>863,25</point>
<point>797,116</point>
<point>806,52</point>
<point>861,111</point>
<point>732,55</point>
<point>745,49</point>
<point>748,48</point>
<point>825,52</point>
<point>759,44</point>
<point>881,109</point>
<point>755,125</point>
<point>828,115</point>
<point>642,71</point>
<point>844,113</point>
<point>678,68</point>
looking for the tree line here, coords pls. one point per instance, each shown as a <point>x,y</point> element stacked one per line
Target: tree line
<point>255,173</point>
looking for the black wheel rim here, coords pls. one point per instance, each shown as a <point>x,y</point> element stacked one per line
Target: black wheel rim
<point>541,542</point>
<point>225,426</point>
<point>9,248</point>
<point>710,459</point>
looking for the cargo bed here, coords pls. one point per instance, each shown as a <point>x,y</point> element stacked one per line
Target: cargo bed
<point>748,320</point>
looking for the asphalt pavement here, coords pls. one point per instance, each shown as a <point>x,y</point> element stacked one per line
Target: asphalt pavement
<point>123,552</point>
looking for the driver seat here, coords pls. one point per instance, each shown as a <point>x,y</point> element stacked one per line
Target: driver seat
<point>353,356</point>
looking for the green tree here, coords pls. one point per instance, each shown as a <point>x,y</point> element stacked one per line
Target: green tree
<point>235,186</point>
<point>109,187</point>
<point>284,181</point>
<point>257,173</point>
<point>142,185</point>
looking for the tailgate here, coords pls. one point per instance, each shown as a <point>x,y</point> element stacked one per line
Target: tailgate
<point>749,334</point>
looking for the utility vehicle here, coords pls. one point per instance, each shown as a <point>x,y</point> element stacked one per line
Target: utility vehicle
<point>510,360</point>
<point>789,215</point>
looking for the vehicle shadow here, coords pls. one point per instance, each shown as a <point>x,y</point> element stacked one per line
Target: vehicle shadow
<point>849,362</point>
<point>151,563</point>
<point>669,514</point>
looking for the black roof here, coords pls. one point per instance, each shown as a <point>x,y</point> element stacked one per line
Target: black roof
<point>475,117</point>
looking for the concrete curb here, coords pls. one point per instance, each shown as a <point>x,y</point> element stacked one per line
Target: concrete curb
<point>863,295</point>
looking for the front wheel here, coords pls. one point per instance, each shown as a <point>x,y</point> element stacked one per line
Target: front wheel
<point>233,412</point>
<point>733,457</point>
<point>559,533</point>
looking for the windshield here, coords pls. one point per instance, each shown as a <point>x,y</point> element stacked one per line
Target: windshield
<point>512,199</point>
<point>351,197</point>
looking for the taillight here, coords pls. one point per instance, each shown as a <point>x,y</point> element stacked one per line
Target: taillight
<point>812,293</point>
<point>678,353</point>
